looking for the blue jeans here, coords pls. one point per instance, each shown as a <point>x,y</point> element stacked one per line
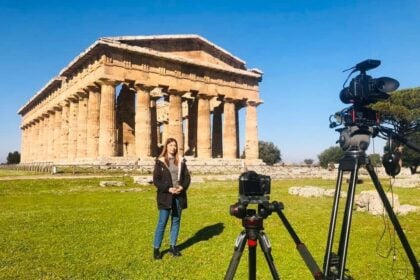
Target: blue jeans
<point>175,213</point>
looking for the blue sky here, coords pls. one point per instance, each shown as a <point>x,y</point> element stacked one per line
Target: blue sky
<point>301,46</point>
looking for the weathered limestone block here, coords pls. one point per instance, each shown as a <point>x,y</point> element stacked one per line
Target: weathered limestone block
<point>371,202</point>
<point>331,193</point>
<point>111,184</point>
<point>143,180</point>
<point>307,191</point>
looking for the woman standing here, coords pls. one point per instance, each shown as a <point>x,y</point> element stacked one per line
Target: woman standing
<point>172,179</point>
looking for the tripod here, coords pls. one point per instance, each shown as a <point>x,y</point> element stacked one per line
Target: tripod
<point>335,264</point>
<point>254,234</point>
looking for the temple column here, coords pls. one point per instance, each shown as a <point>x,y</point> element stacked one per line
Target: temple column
<point>251,131</point>
<point>57,132</point>
<point>175,119</point>
<point>72,143</point>
<point>126,113</point>
<point>64,131</point>
<point>50,135</point>
<point>92,129</point>
<point>35,144</point>
<point>23,141</point>
<point>217,147</point>
<point>186,126</point>
<point>165,132</point>
<point>203,127</point>
<point>29,142</point>
<point>40,140</point>
<point>143,128</point>
<point>107,120</point>
<point>191,148</point>
<point>82,125</point>
<point>154,128</point>
<point>229,130</point>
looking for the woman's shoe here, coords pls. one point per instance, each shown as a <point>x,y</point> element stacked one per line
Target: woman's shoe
<point>156,254</point>
<point>174,251</point>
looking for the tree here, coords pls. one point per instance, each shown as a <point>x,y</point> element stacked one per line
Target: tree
<point>308,161</point>
<point>268,152</point>
<point>402,111</point>
<point>13,158</point>
<point>332,154</point>
<point>375,159</point>
<point>409,157</point>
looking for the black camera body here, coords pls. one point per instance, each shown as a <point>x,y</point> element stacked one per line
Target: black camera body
<point>254,188</point>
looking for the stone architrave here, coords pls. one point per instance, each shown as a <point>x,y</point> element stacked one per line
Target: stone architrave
<point>107,120</point>
<point>143,128</point>
<point>175,119</point>
<point>92,129</point>
<point>251,131</point>
<point>229,130</point>
<point>203,127</point>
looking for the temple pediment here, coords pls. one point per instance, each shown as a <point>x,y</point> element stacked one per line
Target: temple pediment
<point>192,47</point>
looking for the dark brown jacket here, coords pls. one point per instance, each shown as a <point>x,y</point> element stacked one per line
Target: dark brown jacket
<point>163,181</point>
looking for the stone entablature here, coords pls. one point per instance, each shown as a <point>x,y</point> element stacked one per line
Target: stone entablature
<point>168,85</point>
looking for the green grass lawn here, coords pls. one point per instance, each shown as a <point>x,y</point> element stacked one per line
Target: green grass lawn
<point>74,229</point>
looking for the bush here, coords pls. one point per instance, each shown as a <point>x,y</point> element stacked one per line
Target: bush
<point>332,154</point>
<point>268,152</point>
<point>13,158</point>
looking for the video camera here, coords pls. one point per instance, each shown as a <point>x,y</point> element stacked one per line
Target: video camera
<point>363,90</point>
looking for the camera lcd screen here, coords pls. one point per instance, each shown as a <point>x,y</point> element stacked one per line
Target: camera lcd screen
<point>252,188</point>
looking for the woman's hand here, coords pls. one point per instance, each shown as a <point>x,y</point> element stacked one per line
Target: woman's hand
<point>176,190</point>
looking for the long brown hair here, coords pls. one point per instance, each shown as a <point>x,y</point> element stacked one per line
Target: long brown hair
<point>164,152</point>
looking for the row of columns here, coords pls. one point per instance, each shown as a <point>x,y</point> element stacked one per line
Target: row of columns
<point>84,126</point>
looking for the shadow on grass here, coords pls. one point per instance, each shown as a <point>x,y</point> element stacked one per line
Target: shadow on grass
<point>203,234</point>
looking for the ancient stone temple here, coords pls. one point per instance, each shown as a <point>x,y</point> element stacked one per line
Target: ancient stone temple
<point>123,96</point>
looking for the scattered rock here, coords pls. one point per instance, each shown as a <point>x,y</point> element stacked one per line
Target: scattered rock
<point>133,190</point>
<point>331,193</point>
<point>411,182</point>
<point>406,208</point>
<point>143,180</point>
<point>105,184</point>
<point>307,191</point>
<point>371,202</point>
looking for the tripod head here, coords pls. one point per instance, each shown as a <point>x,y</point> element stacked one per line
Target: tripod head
<point>253,218</point>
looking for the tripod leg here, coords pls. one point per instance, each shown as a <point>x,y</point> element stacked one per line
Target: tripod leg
<point>394,220</point>
<point>331,231</point>
<point>252,259</point>
<point>345,230</point>
<point>266,248</point>
<point>304,252</point>
<point>238,250</point>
